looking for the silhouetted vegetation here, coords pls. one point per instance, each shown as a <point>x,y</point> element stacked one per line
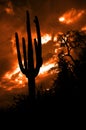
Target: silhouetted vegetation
<point>28,67</point>
<point>71,80</point>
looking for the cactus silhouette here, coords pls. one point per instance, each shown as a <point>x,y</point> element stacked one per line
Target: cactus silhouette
<point>27,67</point>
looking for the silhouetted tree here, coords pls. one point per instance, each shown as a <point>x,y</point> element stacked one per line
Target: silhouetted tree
<point>72,62</point>
<point>28,67</point>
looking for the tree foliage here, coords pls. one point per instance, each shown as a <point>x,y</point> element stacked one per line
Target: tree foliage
<point>72,62</point>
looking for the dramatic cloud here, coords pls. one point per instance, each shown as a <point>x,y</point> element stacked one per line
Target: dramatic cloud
<point>71,16</point>
<point>13,19</point>
<point>9,9</point>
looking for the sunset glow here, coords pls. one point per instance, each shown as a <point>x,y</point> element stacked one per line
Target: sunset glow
<point>61,19</point>
<point>18,80</point>
<point>9,8</point>
<point>49,38</point>
<point>83,28</point>
<point>71,16</point>
<point>46,67</point>
<point>45,38</point>
<point>16,77</point>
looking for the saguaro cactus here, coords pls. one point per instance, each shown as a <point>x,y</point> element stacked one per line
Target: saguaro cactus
<point>28,67</point>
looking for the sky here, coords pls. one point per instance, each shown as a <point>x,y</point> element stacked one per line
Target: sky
<point>54,16</point>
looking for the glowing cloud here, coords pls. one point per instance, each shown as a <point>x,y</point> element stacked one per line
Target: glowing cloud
<point>61,19</point>
<point>83,28</point>
<point>14,79</point>
<point>9,9</point>
<point>71,16</point>
<point>46,67</point>
<point>45,38</point>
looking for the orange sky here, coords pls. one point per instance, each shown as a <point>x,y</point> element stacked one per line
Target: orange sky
<point>12,19</point>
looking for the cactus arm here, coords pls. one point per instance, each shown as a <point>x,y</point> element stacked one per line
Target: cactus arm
<point>36,70</point>
<point>38,47</point>
<point>24,53</point>
<point>18,53</point>
<point>38,35</point>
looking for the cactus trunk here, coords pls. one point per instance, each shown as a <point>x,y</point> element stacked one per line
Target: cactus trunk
<point>31,84</point>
